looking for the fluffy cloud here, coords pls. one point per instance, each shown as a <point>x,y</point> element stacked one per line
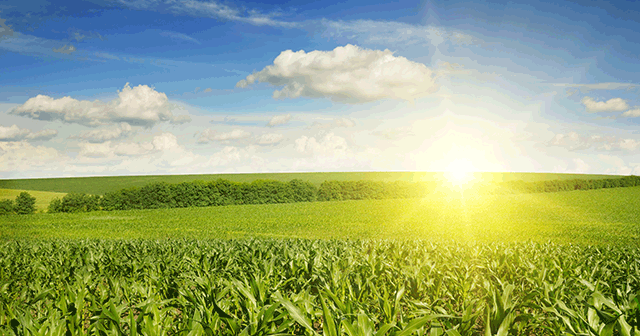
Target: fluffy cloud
<point>211,135</point>
<point>160,143</point>
<point>269,139</point>
<point>46,134</point>
<point>279,120</point>
<point>574,141</point>
<point>141,106</point>
<point>103,135</point>
<point>338,122</point>
<point>22,156</point>
<point>15,133</point>
<point>346,74</point>
<point>330,145</point>
<point>617,165</point>
<point>632,113</point>
<point>611,105</point>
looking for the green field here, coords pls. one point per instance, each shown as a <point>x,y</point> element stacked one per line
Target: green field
<point>43,198</point>
<point>449,264</point>
<point>600,217</point>
<point>101,185</point>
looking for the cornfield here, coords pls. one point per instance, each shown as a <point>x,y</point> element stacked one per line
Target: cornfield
<point>316,287</point>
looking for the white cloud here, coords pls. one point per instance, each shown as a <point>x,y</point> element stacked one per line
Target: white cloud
<point>96,149</point>
<point>103,135</point>
<point>66,49</point>
<point>574,141</point>
<point>279,120</point>
<point>269,139</point>
<point>22,156</point>
<point>211,135</point>
<point>611,105</point>
<point>632,113</point>
<point>141,106</point>
<point>164,142</point>
<point>46,134</point>
<point>338,122</point>
<point>330,145</point>
<point>346,74</point>
<point>15,133</point>
<point>133,149</point>
<point>580,166</point>
<point>617,166</point>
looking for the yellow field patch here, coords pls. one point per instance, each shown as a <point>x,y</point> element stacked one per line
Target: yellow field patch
<point>43,198</point>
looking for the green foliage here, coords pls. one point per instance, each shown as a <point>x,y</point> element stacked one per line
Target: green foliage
<point>214,193</point>
<point>567,185</point>
<point>313,287</point>
<point>6,207</point>
<point>359,190</point>
<point>73,202</point>
<point>25,204</point>
<point>55,205</point>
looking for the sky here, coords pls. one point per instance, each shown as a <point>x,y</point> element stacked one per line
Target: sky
<point>141,87</point>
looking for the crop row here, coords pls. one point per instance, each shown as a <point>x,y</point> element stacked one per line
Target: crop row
<point>312,287</point>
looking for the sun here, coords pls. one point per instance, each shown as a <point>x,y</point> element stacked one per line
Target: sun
<point>459,172</point>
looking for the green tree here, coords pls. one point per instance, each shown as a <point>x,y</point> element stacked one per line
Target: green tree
<point>6,207</point>
<point>55,205</point>
<point>25,204</point>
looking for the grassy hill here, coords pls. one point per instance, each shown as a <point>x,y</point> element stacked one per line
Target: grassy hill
<point>103,184</point>
<point>43,198</point>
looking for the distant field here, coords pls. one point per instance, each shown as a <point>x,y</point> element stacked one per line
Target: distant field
<point>43,198</point>
<point>597,217</point>
<point>101,185</point>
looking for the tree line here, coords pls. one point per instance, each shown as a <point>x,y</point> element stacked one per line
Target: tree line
<point>222,192</point>
<point>567,185</point>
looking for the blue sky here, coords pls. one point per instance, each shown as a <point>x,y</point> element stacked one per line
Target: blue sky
<point>175,87</point>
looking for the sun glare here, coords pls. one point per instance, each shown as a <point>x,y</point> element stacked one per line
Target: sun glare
<point>459,172</point>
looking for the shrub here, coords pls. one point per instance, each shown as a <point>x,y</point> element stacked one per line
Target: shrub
<point>55,206</point>
<point>74,202</point>
<point>25,204</point>
<point>6,207</point>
